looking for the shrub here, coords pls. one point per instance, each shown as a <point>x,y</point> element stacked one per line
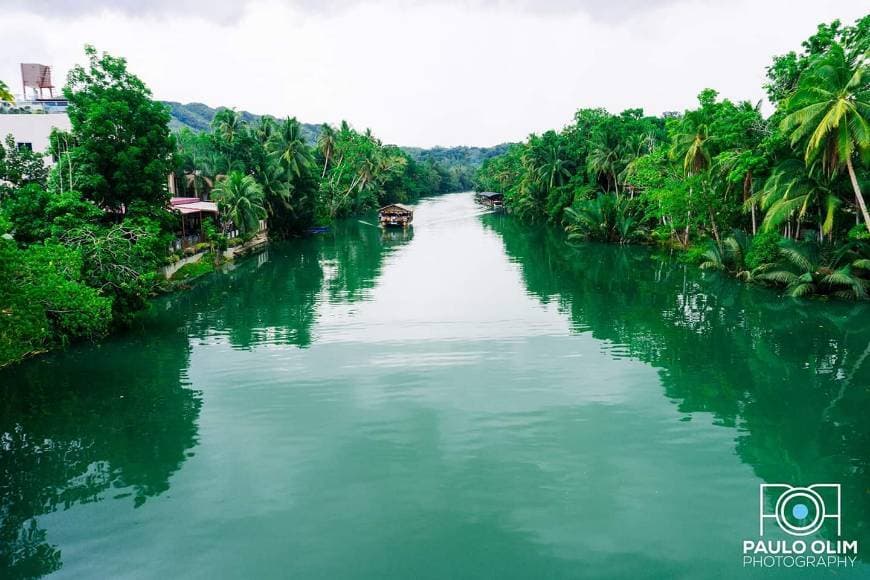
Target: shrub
<point>763,249</point>
<point>194,270</point>
<point>694,254</point>
<point>45,301</point>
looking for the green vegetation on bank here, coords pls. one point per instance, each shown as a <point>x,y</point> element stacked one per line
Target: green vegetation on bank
<point>82,242</point>
<point>777,201</point>
<point>455,165</point>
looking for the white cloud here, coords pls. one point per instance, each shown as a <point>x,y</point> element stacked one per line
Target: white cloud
<point>427,72</point>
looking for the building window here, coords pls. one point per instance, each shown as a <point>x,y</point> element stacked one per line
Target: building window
<point>22,145</point>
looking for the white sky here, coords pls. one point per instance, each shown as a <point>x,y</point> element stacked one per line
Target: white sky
<point>424,72</point>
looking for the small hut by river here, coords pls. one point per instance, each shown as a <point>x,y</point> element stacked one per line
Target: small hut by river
<point>491,198</point>
<point>395,215</point>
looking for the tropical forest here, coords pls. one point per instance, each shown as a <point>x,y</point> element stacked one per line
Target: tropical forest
<point>776,201</point>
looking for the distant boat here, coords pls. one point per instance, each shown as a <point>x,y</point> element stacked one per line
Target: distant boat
<point>395,215</point>
<point>318,230</point>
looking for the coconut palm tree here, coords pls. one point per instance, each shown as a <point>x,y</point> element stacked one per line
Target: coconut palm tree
<point>326,143</point>
<point>731,257</point>
<point>693,147</point>
<point>829,115</point>
<point>604,160</point>
<point>794,191</point>
<point>5,93</point>
<point>289,147</point>
<point>553,169</point>
<point>228,124</point>
<point>605,218</point>
<point>241,198</point>
<point>811,268</point>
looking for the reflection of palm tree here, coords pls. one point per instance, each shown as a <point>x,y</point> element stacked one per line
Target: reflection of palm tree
<point>830,112</point>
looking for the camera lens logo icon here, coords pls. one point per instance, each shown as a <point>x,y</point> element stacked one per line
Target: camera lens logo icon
<point>799,511</point>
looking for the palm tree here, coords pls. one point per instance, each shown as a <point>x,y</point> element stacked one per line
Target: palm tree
<point>603,160</point>
<point>811,268</point>
<point>830,111</point>
<point>731,257</point>
<point>228,123</point>
<point>692,146</point>
<point>605,218</point>
<point>5,93</point>
<point>240,198</point>
<point>277,190</point>
<point>288,145</point>
<point>265,129</point>
<point>326,142</point>
<point>794,191</point>
<point>553,169</point>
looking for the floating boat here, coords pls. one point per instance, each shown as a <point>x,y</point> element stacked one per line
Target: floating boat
<point>395,215</point>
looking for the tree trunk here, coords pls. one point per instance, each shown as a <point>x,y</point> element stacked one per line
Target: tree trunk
<point>715,229</point>
<point>747,193</point>
<point>325,165</point>
<point>858,195</point>
<point>688,220</point>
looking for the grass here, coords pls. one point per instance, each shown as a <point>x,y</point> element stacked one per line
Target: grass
<point>194,270</point>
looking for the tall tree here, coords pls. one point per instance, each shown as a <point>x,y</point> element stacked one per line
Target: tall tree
<point>240,198</point>
<point>123,148</point>
<point>829,114</point>
<point>326,144</point>
<point>289,147</point>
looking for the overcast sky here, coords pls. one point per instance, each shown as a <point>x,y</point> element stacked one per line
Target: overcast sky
<point>424,72</point>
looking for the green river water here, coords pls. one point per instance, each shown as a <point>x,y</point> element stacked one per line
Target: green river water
<point>471,399</point>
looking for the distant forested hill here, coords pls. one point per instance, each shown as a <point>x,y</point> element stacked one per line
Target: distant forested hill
<point>457,156</point>
<point>197,117</point>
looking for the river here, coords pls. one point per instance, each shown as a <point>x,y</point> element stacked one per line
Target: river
<point>473,398</point>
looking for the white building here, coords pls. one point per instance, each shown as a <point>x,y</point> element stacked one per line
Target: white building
<point>33,130</point>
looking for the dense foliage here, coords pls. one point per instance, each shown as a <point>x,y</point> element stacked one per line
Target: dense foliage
<point>455,165</point>
<point>775,200</point>
<point>345,172</point>
<point>82,242</point>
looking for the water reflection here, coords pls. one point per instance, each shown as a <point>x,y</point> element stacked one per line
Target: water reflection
<point>794,381</point>
<point>117,420</point>
<point>475,382</point>
<point>77,428</point>
<point>274,298</point>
